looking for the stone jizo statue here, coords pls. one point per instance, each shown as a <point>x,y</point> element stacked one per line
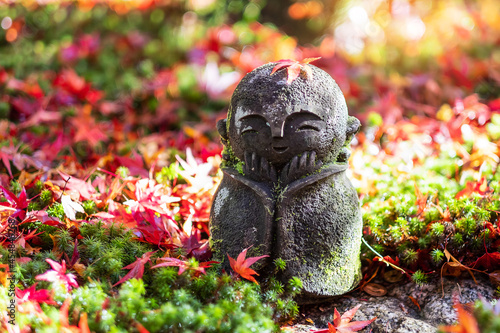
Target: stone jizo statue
<point>284,190</point>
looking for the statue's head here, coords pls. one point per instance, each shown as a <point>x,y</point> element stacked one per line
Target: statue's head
<point>279,120</point>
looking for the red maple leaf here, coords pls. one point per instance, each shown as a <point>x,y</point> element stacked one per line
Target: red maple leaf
<point>493,231</point>
<point>446,215</point>
<point>23,260</point>
<point>42,116</point>
<point>494,105</point>
<point>32,295</point>
<point>185,265</point>
<point>87,129</point>
<point>69,81</point>
<point>6,157</point>
<point>388,259</point>
<point>85,189</point>
<point>294,68</point>
<point>136,268</point>
<point>43,216</point>
<point>195,246</point>
<point>150,197</point>
<point>490,261</point>
<point>135,164</point>
<point>50,150</point>
<point>343,324</point>
<point>58,273</point>
<point>22,240</point>
<point>18,204</point>
<point>151,234</point>
<point>242,266</point>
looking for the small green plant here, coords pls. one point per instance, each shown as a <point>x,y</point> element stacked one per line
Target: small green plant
<point>437,229</point>
<point>280,264</point>
<point>294,285</point>
<point>64,241</point>
<point>45,197</point>
<point>437,256</point>
<point>122,171</point>
<point>419,277</point>
<point>15,186</point>
<point>89,206</point>
<point>56,210</point>
<point>168,174</point>
<point>410,256</point>
<point>488,315</point>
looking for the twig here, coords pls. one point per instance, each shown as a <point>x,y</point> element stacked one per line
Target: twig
<point>382,258</point>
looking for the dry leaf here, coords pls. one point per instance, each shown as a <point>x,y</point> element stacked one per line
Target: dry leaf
<point>375,289</point>
<point>393,276</point>
<point>70,207</point>
<point>453,268</point>
<point>414,300</point>
<point>495,278</point>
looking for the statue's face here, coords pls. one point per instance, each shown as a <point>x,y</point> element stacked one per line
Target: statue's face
<point>279,132</point>
<point>278,120</point>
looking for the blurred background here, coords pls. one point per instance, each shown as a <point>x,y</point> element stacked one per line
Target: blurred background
<point>164,64</point>
<point>107,90</point>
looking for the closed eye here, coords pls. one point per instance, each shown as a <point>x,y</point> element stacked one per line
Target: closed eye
<point>308,128</point>
<point>249,130</point>
<point>305,121</point>
<point>252,124</point>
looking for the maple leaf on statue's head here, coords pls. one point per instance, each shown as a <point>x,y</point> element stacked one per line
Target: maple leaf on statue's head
<point>294,68</point>
<point>242,265</point>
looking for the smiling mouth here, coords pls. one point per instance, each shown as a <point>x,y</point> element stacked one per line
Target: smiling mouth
<point>280,149</point>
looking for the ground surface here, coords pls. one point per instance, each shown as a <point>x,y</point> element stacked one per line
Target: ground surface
<point>396,312</point>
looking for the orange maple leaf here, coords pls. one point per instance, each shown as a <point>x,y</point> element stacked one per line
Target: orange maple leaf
<point>421,200</point>
<point>4,275</point>
<point>83,326</point>
<point>343,324</point>
<point>294,68</point>
<point>480,187</point>
<point>242,265</point>
<point>466,322</point>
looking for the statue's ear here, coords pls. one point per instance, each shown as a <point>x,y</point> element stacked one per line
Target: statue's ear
<point>353,126</point>
<point>222,129</point>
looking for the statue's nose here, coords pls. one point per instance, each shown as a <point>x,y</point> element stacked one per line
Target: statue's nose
<point>278,130</point>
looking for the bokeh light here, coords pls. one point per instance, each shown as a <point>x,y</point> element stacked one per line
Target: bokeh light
<point>6,23</point>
